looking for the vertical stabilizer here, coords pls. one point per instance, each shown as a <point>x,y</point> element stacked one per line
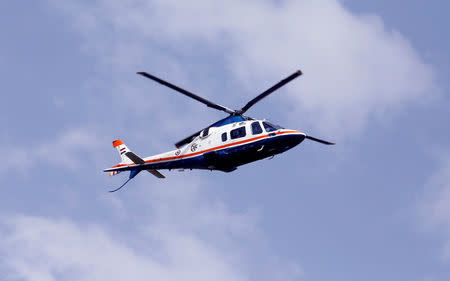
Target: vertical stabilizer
<point>122,149</point>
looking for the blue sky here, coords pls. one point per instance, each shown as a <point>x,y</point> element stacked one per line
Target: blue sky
<point>374,207</point>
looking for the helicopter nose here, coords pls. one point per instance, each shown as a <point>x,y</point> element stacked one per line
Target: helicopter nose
<point>296,137</point>
<point>300,136</point>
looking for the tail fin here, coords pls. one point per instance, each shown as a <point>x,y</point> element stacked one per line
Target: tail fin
<point>128,157</point>
<point>122,149</point>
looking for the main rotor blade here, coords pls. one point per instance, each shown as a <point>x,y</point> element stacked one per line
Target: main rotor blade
<point>188,139</point>
<point>321,141</point>
<point>187,93</point>
<point>270,90</point>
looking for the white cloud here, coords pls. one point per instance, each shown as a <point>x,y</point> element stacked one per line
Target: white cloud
<point>176,233</point>
<point>70,150</point>
<point>355,68</point>
<point>435,204</point>
<point>44,249</point>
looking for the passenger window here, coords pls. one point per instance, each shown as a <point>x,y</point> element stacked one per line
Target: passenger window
<point>237,133</point>
<point>256,128</point>
<point>224,136</point>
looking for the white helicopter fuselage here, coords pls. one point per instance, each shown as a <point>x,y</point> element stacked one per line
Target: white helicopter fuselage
<point>219,148</point>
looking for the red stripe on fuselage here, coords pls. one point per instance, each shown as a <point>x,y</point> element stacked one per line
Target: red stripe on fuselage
<point>207,150</point>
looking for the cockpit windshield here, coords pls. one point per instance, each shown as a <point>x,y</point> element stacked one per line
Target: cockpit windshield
<point>271,127</point>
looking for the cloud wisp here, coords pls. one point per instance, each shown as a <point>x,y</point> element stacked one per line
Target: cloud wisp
<point>69,150</point>
<point>435,205</point>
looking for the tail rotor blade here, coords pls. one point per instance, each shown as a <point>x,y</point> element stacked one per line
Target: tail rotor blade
<point>319,140</point>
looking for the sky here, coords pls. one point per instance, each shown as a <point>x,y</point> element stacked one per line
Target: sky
<point>374,207</point>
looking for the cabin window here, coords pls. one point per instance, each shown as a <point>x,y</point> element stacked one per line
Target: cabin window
<point>224,136</point>
<point>256,128</point>
<point>237,133</point>
<point>204,133</point>
<point>270,127</point>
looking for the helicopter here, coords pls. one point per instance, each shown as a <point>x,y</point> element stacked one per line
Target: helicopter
<point>224,145</point>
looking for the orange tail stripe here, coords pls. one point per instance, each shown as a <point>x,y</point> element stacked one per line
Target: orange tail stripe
<point>117,143</point>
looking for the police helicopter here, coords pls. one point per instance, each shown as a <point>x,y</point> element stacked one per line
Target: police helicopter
<point>224,145</point>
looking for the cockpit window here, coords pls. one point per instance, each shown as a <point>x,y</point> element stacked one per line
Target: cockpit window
<point>256,128</point>
<point>237,133</point>
<point>204,133</point>
<point>271,127</point>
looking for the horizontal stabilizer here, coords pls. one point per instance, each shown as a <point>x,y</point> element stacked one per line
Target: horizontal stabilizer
<point>156,174</point>
<point>133,157</point>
